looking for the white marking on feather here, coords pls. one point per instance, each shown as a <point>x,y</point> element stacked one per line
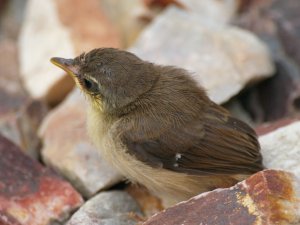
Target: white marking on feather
<point>177,156</point>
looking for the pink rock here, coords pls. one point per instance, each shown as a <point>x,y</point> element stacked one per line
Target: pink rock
<point>31,194</point>
<point>266,198</point>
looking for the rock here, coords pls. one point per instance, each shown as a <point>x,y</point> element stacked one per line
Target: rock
<point>266,198</point>
<point>29,118</point>
<point>266,128</point>
<point>21,127</point>
<point>129,16</point>
<point>149,203</point>
<point>223,58</point>
<point>62,28</point>
<point>281,148</point>
<point>277,24</point>
<point>68,150</point>
<point>12,94</point>
<point>31,194</point>
<point>107,208</point>
<point>219,11</point>
<point>12,18</point>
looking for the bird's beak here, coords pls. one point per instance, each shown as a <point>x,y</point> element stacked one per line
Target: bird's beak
<point>67,65</point>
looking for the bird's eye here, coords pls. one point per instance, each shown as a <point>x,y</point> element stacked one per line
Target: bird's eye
<point>90,85</point>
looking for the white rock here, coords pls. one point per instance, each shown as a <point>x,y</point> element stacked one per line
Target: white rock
<point>54,28</point>
<point>222,58</point>
<point>281,148</point>
<point>220,11</point>
<point>42,37</point>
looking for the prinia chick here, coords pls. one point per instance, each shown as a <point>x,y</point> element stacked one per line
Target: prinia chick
<point>158,127</point>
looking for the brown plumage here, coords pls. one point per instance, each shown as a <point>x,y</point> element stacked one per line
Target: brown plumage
<point>159,128</point>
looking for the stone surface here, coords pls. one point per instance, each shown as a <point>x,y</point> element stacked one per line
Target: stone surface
<point>219,11</point>
<point>281,148</point>
<point>62,28</point>
<point>21,127</point>
<point>11,18</point>
<point>222,58</point>
<point>29,118</point>
<point>68,150</point>
<point>266,198</point>
<point>277,24</point>
<point>107,208</point>
<point>12,95</point>
<point>31,194</point>
<point>129,16</point>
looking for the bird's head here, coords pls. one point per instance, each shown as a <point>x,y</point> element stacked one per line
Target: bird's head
<point>111,78</point>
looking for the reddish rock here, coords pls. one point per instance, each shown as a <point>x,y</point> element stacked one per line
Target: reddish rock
<point>31,194</point>
<point>266,198</point>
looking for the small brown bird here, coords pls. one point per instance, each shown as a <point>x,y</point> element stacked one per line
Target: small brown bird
<point>159,128</point>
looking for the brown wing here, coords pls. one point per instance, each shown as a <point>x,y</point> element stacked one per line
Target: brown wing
<point>207,146</point>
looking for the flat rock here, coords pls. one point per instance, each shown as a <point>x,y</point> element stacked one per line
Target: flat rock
<point>31,194</point>
<point>222,58</point>
<point>107,208</point>
<point>266,198</point>
<point>68,150</point>
<point>281,148</point>
<point>62,28</point>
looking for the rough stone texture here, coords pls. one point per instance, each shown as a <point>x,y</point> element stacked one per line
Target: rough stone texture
<point>277,24</point>
<point>107,208</point>
<point>223,58</point>
<point>62,28</point>
<point>29,193</point>
<point>68,150</point>
<point>266,198</point>
<point>281,148</point>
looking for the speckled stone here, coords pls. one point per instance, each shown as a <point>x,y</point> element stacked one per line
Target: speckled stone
<point>31,194</point>
<point>266,198</point>
<point>107,208</point>
<point>281,148</point>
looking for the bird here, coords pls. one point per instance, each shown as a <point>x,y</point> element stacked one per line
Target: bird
<point>157,126</point>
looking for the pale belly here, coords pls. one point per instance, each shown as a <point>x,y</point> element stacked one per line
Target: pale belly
<point>168,185</point>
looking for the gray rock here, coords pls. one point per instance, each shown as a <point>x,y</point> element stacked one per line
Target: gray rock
<point>68,150</point>
<point>107,208</point>
<point>281,148</point>
<point>223,58</point>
